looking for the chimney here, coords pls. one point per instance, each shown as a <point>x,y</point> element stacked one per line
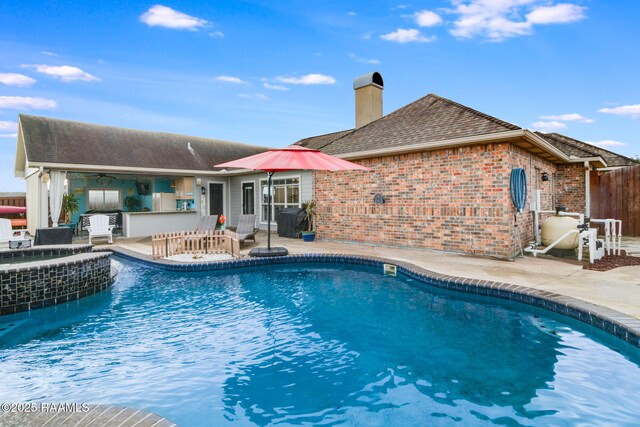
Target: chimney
<point>368,90</point>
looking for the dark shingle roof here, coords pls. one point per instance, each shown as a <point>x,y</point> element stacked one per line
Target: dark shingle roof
<point>318,142</point>
<point>574,147</point>
<point>61,141</point>
<point>429,119</point>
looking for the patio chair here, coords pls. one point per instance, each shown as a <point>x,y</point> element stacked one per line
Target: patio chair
<point>7,233</point>
<point>99,227</point>
<point>207,222</point>
<point>246,228</point>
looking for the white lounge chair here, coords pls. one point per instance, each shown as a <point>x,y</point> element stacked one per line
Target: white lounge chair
<point>7,233</point>
<point>99,227</point>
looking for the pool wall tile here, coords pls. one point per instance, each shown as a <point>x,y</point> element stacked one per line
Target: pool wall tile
<point>54,281</point>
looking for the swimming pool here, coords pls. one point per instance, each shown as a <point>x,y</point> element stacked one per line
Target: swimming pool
<point>316,343</point>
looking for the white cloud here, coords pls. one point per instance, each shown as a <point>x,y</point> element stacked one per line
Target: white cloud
<point>46,52</point>
<point>427,18</point>
<point>230,79</point>
<point>217,34</point>
<point>497,20</point>
<point>66,73</point>
<point>309,79</point>
<point>363,60</point>
<point>274,87</point>
<point>624,110</point>
<point>15,79</point>
<point>607,143</point>
<point>563,13</point>
<point>260,96</point>
<point>7,126</point>
<point>549,126</point>
<point>163,16</point>
<point>573,117</point>
<point>366,36</point>
<point>407,36</point>
<point>351,13</point>
<point>26,103</point>
<point>8,135</point>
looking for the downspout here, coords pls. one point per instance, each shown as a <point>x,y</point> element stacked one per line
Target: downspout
<point>587,189</point>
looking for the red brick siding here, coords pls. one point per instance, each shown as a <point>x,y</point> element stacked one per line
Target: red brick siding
<point>570,187</point>
<point>534,166</point>
<point>453,200</point>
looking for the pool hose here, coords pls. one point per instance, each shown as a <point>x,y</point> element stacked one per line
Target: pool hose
<point>519,188</point>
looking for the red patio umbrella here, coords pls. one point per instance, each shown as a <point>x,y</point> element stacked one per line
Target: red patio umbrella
<point>12,210</point>
<point>293,157</point>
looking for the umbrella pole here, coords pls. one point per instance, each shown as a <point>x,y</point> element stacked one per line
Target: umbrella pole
<point>269,174</point>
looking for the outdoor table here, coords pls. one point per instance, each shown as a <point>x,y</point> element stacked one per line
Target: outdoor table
<point>53,236</point>
<point>19,243</point>
<point>71,225</point>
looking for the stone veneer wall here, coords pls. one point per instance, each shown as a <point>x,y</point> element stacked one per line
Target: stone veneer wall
<point>55,281</point>
<point>453,200</point>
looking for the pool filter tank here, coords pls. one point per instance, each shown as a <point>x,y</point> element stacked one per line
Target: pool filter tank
<point>555,226</point>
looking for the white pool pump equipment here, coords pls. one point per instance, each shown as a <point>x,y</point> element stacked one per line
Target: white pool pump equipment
<point>569,230</point>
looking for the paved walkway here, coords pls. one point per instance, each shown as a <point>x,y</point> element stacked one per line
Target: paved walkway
<point>618,289</point>
<point>39,414</point>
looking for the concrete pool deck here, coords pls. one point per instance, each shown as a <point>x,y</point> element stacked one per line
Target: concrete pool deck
<point>617,289</point>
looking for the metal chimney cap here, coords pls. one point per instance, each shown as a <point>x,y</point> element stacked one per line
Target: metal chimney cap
<point>373,78</point>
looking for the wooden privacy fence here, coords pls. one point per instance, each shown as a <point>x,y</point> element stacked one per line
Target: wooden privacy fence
<point>193,242</point>
<point>616,195</point>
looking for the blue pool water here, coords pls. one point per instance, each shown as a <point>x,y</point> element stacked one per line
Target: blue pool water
<point>316,344</point>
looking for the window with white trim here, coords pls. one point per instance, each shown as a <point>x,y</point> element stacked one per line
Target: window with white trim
<point>285,193</point>
<point>104,200</point>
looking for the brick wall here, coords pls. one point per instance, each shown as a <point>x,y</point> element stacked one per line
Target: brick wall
<point>452,200</point>
<point>533,166</point>
<point>570,187</point>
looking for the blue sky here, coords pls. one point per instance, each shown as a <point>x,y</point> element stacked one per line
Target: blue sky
<point>270,73</point>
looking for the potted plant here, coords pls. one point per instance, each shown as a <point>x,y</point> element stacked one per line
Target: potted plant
<point>70,206</point>
<point>310,208</point>
<point>132,203</point>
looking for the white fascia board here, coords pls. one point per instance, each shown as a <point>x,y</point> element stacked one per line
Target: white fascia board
<point>542,143</point>
<point>596,159</point>
<point>21,160</point>
<point>611,168</point>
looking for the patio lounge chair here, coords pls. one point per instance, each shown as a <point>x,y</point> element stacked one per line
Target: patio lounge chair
<point>207,222</point>
<point>99,227</point>
<point>7,233</point>
<point>246,228</point>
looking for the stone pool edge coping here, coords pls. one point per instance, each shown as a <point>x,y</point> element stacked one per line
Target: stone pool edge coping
<point>613,322</point>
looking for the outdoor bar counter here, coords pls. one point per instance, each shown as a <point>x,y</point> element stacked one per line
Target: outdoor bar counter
<point>138,224</point>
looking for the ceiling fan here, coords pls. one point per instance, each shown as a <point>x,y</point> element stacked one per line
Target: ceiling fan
<point>99,176</point>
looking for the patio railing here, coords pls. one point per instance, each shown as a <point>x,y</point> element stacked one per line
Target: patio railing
<point>193,242</point>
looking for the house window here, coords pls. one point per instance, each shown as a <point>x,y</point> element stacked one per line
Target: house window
<point>104,200</point>
<point>285,193</point>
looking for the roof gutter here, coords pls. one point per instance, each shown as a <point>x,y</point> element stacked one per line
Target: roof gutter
<point>596,159</point>
<point>538,140</point>
<point>125,169</point>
